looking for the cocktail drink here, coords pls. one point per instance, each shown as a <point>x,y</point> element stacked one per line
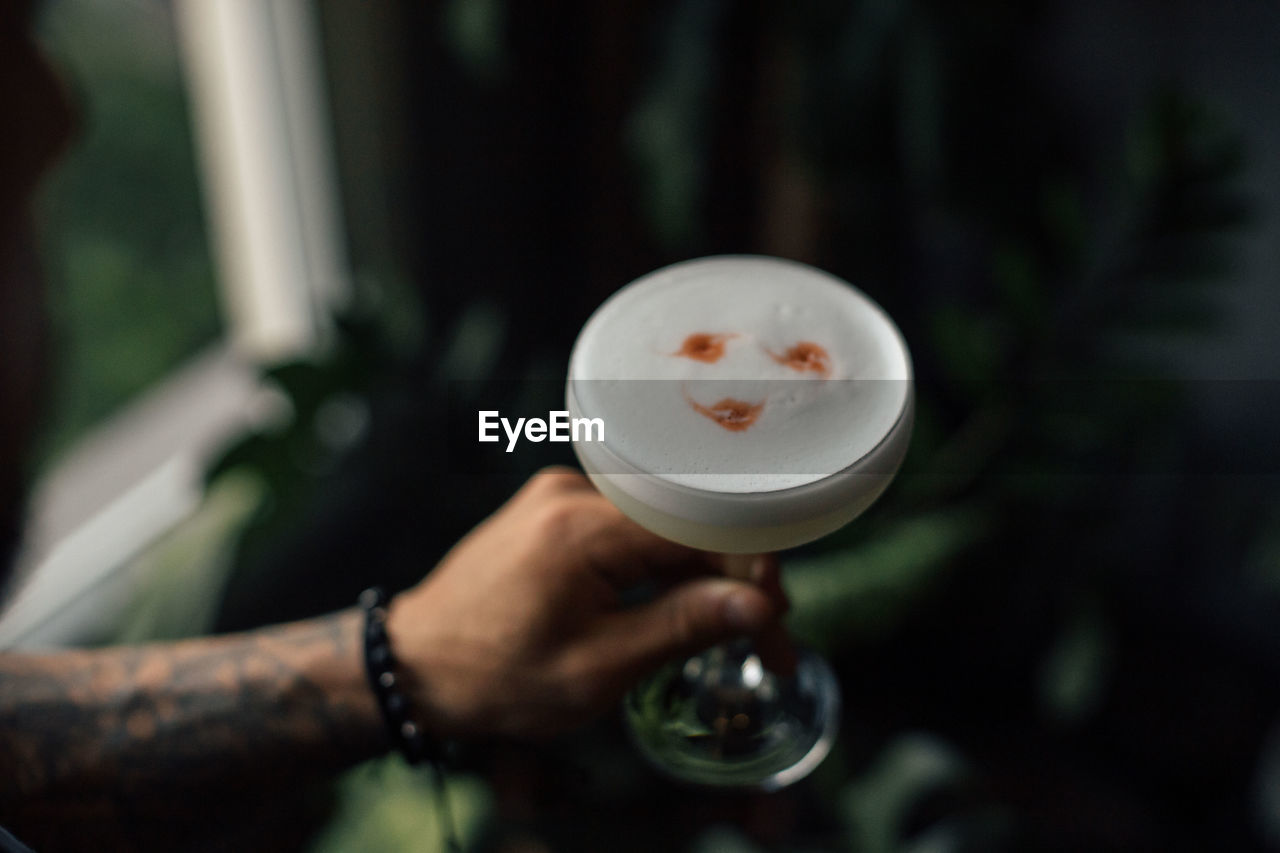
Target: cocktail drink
<point>747,405</point>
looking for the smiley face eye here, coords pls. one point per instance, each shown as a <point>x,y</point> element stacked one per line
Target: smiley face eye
<point>804,357</point>
<point>704,346</point>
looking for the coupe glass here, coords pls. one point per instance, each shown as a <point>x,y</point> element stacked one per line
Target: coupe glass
<point>723,717</point>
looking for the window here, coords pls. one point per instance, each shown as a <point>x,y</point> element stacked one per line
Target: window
<point>162,343</point>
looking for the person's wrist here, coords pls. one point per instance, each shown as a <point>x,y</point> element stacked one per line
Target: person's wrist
<point>330,668</point>
<point>389,682</point>
<point>424,666</point>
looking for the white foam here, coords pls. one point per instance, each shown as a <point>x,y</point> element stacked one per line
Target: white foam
<point>810,426</point>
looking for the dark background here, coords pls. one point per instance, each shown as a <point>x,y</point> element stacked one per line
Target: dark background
<point>1058,631</point>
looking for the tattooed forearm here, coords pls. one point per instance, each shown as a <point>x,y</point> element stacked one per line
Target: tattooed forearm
<point>183,720</point>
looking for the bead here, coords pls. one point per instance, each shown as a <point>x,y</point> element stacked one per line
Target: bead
<point>379,663</point>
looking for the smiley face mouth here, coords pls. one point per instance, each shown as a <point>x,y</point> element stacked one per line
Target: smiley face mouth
<point>730,413</point>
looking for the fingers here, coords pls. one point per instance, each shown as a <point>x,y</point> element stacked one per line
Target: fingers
<point>628,555</point>
<point>685,620</point>
<point>625,553</point>
<point>552,481</point>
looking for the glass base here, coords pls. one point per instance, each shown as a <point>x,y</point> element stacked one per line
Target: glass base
<point>722,719</point>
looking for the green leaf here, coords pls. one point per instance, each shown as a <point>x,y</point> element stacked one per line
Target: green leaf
<point>865,590</point>
<point>388,805</point>
<point>909,769</point>
<point>1073,675</point>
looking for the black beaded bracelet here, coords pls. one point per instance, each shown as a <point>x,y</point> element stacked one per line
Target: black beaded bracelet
<point>380,664</point>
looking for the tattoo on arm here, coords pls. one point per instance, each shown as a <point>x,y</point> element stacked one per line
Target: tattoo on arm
<point>164,724</point>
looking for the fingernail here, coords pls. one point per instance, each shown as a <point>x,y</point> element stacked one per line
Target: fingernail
<point>758,569</point>
<point>745,611</point>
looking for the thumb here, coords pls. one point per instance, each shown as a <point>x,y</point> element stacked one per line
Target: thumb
<point>687,619</point>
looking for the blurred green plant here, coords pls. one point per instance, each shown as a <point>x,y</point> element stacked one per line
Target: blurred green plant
<point>474,31</point>
<point>985,605</point>
<point>862,591</point>
<point>881,804</point>
<point>387,805</point>
<point>1044,408</point>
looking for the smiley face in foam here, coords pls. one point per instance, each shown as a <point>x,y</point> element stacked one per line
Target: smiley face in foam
<point>740,415</point>
<point>742,394</point>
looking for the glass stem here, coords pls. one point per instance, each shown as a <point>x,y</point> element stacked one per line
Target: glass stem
<point>741,567</point>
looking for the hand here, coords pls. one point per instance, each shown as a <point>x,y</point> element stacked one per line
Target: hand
<point>520,630</point>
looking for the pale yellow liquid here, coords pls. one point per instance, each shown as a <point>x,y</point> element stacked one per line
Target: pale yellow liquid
<point>738,540</point>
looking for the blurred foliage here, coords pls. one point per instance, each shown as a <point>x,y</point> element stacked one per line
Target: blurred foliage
<point>475,29</point>
<point>386,805</point>
<point>124,243</point>
<point>911,769</point>
<point>1054,632</point>
<point>669,129</point>
<point>863,590</point>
